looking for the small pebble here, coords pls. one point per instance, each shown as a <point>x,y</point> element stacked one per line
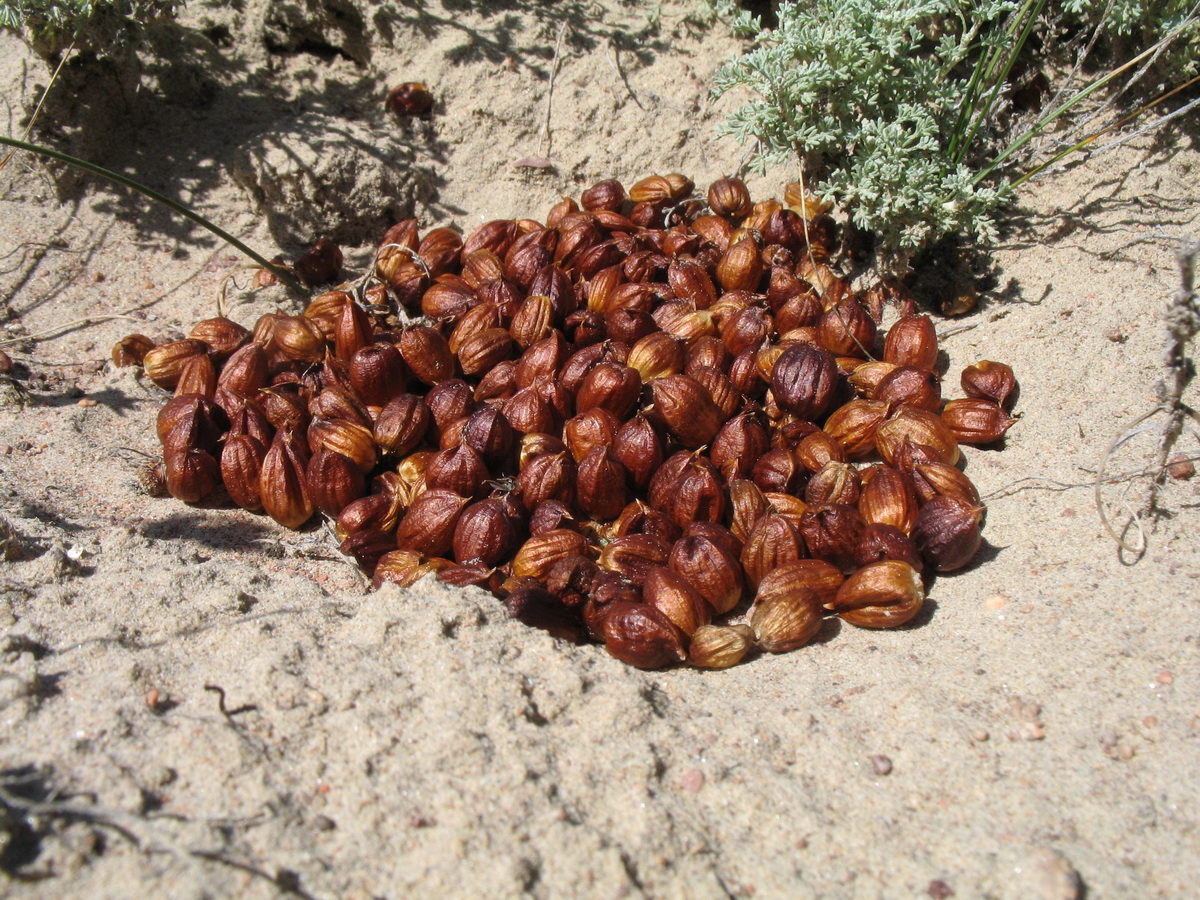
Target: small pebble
<point>882,765</point>
<point>1116,335</point>
<point>995,602</point>
<point>1180,467</point>
<point>86,402</point>
<point>691,781</point>
<point>939,890</point>
<point>1166,677</point>
<point>1048,875</point>
<point>980,735</point>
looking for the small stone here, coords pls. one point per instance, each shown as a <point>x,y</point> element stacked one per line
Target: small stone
<point>995,602</point>
<point>692,781</point>
<point>880,764</point>
<point>1116,335</point>
<point>1048,875</point>
<point>1125,752</point>
<point>324,823</point>
<point>1032,731</point>
<point>1166,677</point>
<point>1180,467</point>
<point>939,890</point>
<point>980,735</point>
<point>86,402</point>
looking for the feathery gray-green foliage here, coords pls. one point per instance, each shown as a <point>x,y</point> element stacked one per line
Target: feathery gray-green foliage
<point>99,25</point>
<point>868,94</point>
<point>890,106</point>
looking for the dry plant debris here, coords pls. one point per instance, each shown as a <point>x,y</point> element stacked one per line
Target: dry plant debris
<point>626,422</point>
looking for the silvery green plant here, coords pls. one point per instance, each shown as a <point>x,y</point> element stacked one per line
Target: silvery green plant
<point>868,97</point>
<point>99,25</point>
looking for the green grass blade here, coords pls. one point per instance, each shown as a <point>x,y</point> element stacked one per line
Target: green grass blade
<point>161,199</point>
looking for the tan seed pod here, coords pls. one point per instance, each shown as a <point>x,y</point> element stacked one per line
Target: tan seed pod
<point>854,424</point>
<point>164,363</point>
<point>131,350</point>
<point>881,595</point>
<point>987,380</point>
<point>282,481</point>
<point>786,621</point>
<point>912,341</point>
<point>241,466</point>
<point>821,578</point>
<point>687,409</point>
<point>976,421</point>
<point>720,646</point>
<point>672,595</point>
<point>539,554</point>
<point>428,526</point>
<point>888,498</point>
<point>917,426</point>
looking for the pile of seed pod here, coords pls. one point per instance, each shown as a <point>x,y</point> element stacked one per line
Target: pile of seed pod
<point>642,422</point>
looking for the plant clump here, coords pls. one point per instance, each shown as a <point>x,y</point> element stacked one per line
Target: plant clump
<point>670,427</point>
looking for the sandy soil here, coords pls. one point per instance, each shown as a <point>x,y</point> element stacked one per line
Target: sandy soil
<point>195,702</point>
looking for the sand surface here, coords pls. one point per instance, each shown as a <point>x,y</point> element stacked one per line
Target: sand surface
<point>196,702</point>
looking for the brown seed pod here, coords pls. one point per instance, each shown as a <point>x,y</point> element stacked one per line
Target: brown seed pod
<point>836,483</point>
<point>740,268</point>
<point>772,542</point>
<point>332,481</point>
<point>640,449</point>
<point>549,476</point>
<point>821,578</point>
<point>947,533</point>
<point>847,329</point>
<point>282,481</point>
<point>640,635</point>
<point>600,484</point>
<point>912,341</point>
<point>881,595</point>
<point>409,99</point>
<point>192,474</point>
<point>687,409</point>
<point>976,421</point>
<point>917,426</point>
<point>719,646</point>
<point>832,532</point>
<point>131,350</point>
<point>538,555</point>
<point>428,526</point>
<point>880,542</point>
<point>632,556</point>
<point>459,469</point>
<point>698,494</point>
<point>888,498</point>
<point>710,568</point>
<point>804,380</point>
<point>987,380</point>
<point>786,621</point>
<point>427,354</point>
<point>164,363</point>
<point>729,197</point>
<point>672,595</point>
<point>223,336</point>
<point>485,534</point>
<point>402,424</point>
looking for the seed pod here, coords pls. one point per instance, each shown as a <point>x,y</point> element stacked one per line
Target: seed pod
<point>544,358</point>
<point>740,268</point>
<point>888,498</point>
<point>771,543</point>
<point>164,363</point>
<point>332,481</point>
<point>634,555</point>
<point>847,329</point>
<point>549,476</point>
<point>974,421</point>
<point>608,194</point>
<point>804,380</point>
<point>223,336</point>
<point>297,338</point>
<point>595,428</point>
<point>350,439</point>
<point>241,465</point>
<point>821,578</point>
<point>698,494</point>
<point>917,426</point>
<point>881,595</point>
<point>378,373</point>
<point>402,424</point>
<point>786,621</point>
<point>281,481</point>
<point>485,534</point>
<point>428,526</point>
<point>539,554</point>
<point>910,386</point>
<point>203,419</point>
<point>449,401</point>
<point>245,371</point>
<point>368,548</point>
<point>747,504</point>
<point>776,472</point>
<point>403,568</point>
<point>854,424</point>
<point>600,484</point>
<point>947,533</point>
<point>740,443</point>
<point>719,646</point>
<point>832,533</point>
<point>880,542</point>
<point>640,449</point>
<point>440,250</point>
<point>657,355</point>
<point>934,479</point>
<point>729,197</point>
<point>427,354</point>
<point>611,386</point>
<point>866,377</point>
<point>489,432</point>
<point>912,341</point>
<point>672,595</point>
<point>528,255</point>
<point>409,99</point>
<point>641,636</point>
<point>710,568</point>
<point>131,350</point>
<point>460,470</point>
<point>835,483</point>
<point>687,409</point>
<point>483,351</point>
<point>987,380</point>
<point>549,515</point>
<point>192,474</point>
